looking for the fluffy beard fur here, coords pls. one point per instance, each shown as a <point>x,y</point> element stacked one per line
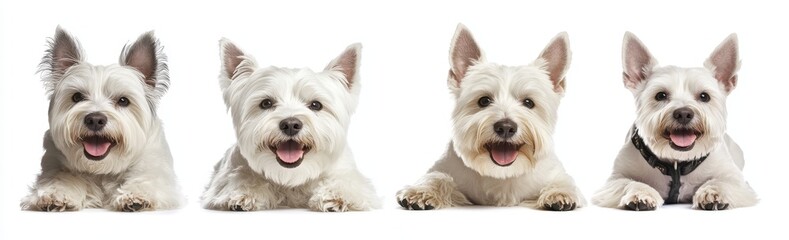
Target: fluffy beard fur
<point>250,176</point>
<point>467,174</point>
<point>716,184</point>
<point>136,173</point>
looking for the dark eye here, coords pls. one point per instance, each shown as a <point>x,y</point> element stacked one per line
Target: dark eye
<point>316,106</point>
<point>123,102</point>
<point>266,103</point>
<point>661,96</point>
<point>484,102</point>
<point>528,103</point>
<point>77,97</point>
<point>704,97</point>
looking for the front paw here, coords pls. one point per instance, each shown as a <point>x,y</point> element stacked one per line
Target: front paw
<point>421,198</point>
<point>49,202</point>
<point>241,203</point>
<point>131,202</point>
<point>642,200</point>
<point>557,201</point>
<point>329,202</point>
<point>331,205</point>
<point>710,198</point>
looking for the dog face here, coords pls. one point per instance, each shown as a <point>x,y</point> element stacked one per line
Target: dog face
<point>100,115</point>
<point>681,112</point>
<point>504,115</point>
<point>291,124</point>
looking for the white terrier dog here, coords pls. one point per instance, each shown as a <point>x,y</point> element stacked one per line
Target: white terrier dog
<point>105,146</point>
<point>678,150</point>
<point>502,152</point>
<point>291,126</point>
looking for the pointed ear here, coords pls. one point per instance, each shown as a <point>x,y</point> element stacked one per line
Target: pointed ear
<point>725,61</point>
<point>146,56</point>
<point>348,64</point>
<point>557,57</point>
<point>463,53</point>
<point>235,63</point>
<point>64,52</point>
<point>637,62</point>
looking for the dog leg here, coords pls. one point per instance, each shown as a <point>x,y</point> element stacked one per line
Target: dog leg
<point>146,186</point>
<point>341,191</point>
<point>621,192</point>
<point>435,190</point>
<point>57,191</point>
<point>723,193</point>
<point>561,195</point>
<point>236,187</point>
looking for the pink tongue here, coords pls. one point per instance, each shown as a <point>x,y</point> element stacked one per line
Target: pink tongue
<point>290,151</point>
<point>96,148</point>
<point>503,157</point>
<point>683,140</point>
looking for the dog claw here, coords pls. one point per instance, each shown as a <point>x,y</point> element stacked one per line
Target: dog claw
<point>558,206</point>
<point>403,203</point>
<point>415,206</point>
<point>53,208</point>
<point>237,208</point>
<point>132,207</point>
<point>640,205</point>
<point>714,206</point>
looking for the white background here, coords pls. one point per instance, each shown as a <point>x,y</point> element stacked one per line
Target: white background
<point>402,124</point>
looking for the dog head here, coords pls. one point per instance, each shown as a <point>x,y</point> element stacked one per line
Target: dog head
<point>681,112</point>
<point>291,124</point>
<point>504,115</point>
<point>100,116</point>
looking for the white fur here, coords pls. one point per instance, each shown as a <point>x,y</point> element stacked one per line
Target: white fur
<point>466,174</point>
<point>719,179</point>
<point>139,169</point>
<point>249,177</point>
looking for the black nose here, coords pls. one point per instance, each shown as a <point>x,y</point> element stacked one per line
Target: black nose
<point>683,115</point>
<point>290,126</point>
<point>95,121</point>
<point>505,128</point>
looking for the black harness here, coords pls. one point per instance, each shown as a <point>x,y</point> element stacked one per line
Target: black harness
<point>675,169</point>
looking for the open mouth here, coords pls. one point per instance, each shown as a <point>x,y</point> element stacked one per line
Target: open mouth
<point>97,147</point>
<point>682,139</point>
<point>503,153</point>
<point>290,153</point>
